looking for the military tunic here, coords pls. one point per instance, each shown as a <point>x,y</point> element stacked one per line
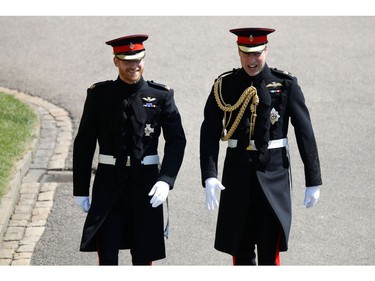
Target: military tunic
<point>281,100</point>
<point>126,122</point>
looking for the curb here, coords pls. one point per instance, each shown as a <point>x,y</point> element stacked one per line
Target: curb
<point>30,198</point>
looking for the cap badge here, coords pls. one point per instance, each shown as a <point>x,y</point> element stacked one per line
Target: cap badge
<point>274,116</point>
<point>131,46</point>
<point>251,38</point>
<point>148,130</point>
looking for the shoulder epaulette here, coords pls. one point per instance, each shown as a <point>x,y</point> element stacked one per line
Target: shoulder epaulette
<point>282,73</point>
<point>158,85</point>
<point>99,84</point>
<point>228,72</point>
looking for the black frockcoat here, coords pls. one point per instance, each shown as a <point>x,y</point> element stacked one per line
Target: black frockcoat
<point>278,90</point>
<point>115,116</point>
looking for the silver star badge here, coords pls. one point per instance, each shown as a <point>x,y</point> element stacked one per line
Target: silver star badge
<point>148,130</point>
<point>274,116</point>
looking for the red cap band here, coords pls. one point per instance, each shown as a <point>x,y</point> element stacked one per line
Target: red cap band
<point>128,48</point>
<point>250,40</point>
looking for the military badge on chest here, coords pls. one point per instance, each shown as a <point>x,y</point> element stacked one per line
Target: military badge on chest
<point>148,130</point>
<point>149,102</point>
<point>274,116</point>
<point>274,88</point>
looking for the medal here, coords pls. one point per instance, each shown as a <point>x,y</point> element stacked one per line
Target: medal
<point>274,116</point>
<point>148,130</point>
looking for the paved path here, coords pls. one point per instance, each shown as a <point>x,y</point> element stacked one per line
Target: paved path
<point>25,208</point>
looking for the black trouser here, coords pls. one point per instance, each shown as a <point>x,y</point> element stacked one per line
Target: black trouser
<point>265,230</point>
<point>109,238</point>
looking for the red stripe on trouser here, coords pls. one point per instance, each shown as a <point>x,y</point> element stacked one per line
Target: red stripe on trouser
<point>277,259</point>
<point>142,263</point>
<point>277,256</point>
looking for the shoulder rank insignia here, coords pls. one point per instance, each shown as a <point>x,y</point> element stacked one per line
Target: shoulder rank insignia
<point>227,72</point>
<point>100,84</point>
<point>282,73</point>
<point>158,85</point>
<point>287,73</point>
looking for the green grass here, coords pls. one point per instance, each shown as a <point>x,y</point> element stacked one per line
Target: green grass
<point>17,126</point>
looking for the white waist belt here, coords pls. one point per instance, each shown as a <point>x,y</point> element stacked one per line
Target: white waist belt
<point>110,160</point>
<point>232,143</point>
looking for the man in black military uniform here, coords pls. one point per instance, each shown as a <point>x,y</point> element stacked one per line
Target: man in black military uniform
<point>125,117</point>
<point>250,107</point>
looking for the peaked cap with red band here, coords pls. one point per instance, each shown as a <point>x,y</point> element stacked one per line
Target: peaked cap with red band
<point>252,40</point>
<point>129,47</point>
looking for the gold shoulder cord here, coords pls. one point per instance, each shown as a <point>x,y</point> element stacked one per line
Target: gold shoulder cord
<point>246,96</point>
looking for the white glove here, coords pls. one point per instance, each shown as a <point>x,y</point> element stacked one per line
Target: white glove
<point>312,194</point>
<point>212,186</point>
<point>160,191</point>
<point>83,202</point>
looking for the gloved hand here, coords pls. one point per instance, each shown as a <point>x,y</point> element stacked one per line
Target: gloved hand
<point>83,202</point>
<point>212,185</point>
<point>160,192</point>
<point>312,194</point>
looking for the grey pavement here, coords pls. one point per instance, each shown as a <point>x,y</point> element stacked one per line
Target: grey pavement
<point>335,65</point>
